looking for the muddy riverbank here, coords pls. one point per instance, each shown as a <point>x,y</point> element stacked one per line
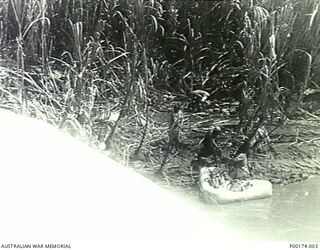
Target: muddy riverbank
<point>292,155</point>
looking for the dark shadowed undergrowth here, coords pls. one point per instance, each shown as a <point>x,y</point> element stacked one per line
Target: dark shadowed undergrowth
<point>149,79</point>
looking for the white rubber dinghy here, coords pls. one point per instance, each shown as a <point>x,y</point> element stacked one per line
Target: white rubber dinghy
<point>258,189</point>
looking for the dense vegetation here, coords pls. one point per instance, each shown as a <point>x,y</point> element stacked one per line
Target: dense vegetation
<point>171,70</point>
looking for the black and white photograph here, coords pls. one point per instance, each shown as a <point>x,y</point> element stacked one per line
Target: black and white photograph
<point>159,124</point>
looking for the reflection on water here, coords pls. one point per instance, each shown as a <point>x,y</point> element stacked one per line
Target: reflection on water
<point>291,214</point>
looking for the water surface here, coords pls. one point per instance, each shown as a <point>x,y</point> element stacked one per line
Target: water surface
<point>291,214</point>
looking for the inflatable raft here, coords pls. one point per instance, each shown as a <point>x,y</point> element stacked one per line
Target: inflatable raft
<point>226,193</point>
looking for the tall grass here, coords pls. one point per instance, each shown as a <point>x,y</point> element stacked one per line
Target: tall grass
<point>83,60</point>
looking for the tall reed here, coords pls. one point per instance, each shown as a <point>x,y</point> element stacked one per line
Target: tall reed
<point>75,56</point>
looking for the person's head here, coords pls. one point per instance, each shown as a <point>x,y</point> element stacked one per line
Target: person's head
<point>241,160</point>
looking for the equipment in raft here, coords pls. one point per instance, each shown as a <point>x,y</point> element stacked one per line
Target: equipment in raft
<point>220,190</point>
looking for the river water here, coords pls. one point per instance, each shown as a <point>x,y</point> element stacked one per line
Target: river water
<point>291,214</point>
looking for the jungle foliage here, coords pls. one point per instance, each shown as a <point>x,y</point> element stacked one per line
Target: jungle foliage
<point>80,60</point>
